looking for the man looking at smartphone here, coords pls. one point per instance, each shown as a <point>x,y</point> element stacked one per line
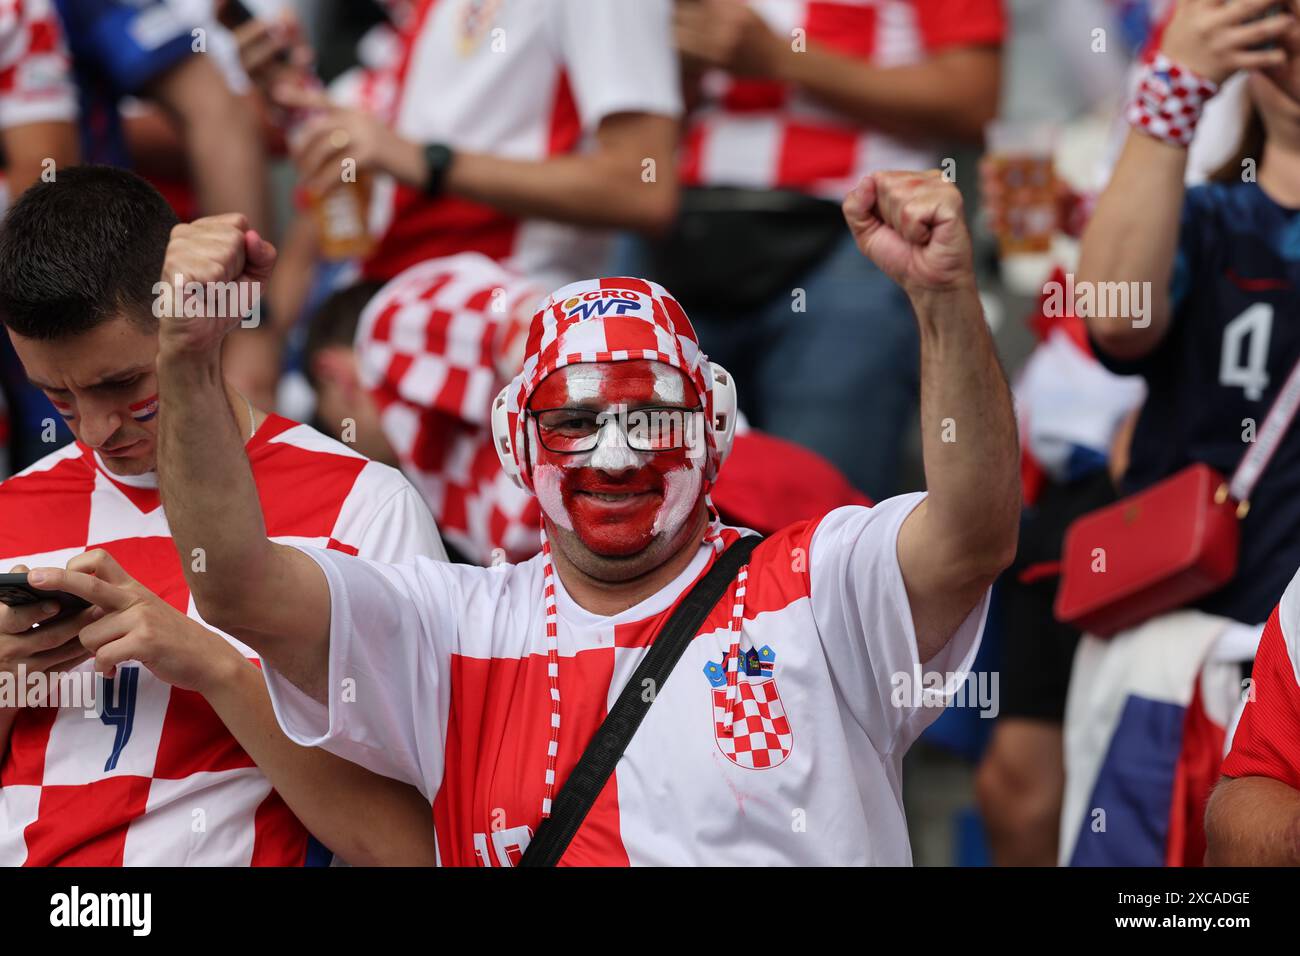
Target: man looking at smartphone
<point>179,764</point>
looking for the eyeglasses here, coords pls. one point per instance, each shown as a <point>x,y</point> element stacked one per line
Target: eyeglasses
<point>568,431</point>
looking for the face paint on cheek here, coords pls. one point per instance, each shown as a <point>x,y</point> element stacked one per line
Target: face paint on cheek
<point>681,492</point>
<point>146,410</point>
<point>65,410</point>
<point>548,482</point>
<point>549,479</point>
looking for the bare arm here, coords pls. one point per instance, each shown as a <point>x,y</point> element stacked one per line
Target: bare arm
<point>963,535</point>
<point>607,187</point>
<point>1133,234</point>
<point>273,598</point>
<point>299,249</point>
<point>364,818</point>
<point>1253,821</point>
<point>1132,237</point>
<point>951,94</point>
<point>613,185</point>
<point>27,147</point>
<point>223,139</point>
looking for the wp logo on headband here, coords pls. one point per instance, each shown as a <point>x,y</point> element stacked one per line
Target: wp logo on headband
<point>600,303</point>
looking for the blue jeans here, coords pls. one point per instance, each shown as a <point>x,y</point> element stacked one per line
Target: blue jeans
<point>840,377</point>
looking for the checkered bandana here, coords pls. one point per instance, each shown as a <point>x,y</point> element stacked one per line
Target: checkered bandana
<point>1168,102</point>
<point>604,320</point>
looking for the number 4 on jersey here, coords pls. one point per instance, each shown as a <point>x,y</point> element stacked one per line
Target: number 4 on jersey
<point>1255,325</point>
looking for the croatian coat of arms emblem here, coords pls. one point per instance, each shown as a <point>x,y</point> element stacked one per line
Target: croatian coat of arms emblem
<point>749,720</point>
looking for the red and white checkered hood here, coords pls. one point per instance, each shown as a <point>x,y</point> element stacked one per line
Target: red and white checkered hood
<point>608,320</point>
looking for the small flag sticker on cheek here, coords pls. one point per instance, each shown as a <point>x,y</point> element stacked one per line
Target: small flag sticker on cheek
<point>65,410</point>
<point>144,411</point>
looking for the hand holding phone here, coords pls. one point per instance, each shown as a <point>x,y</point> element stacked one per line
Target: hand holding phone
<point>17,593</point>
<point>52,644</point>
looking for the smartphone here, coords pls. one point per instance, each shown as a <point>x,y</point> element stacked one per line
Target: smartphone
<point>16,592</point>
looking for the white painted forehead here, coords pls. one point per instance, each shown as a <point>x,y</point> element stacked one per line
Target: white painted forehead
<point>584,382</point>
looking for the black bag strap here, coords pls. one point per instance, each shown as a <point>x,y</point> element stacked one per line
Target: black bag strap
<point>606,748</point>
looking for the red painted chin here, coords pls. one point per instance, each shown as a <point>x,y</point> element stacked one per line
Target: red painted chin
<point>613,516</point>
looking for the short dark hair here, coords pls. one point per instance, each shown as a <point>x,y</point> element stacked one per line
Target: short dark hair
<point>80,250</point>
<point>336,322</point>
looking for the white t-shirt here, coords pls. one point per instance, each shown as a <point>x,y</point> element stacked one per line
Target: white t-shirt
<point>440,678</point>
<point>524,80</point>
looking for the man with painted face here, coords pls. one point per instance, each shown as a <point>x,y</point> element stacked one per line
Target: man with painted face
<point>779,736</point>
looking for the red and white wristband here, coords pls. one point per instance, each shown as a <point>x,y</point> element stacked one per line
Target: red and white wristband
<point>1169,100</point>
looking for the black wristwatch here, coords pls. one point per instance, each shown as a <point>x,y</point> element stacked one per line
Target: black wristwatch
<point>437,161</point>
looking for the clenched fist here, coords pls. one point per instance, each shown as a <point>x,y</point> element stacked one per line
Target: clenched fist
<point>912,225</point>
<point>212,278</point>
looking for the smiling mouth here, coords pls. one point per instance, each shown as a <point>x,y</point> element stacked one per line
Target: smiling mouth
<point>616,501</point>
<point>614,496</point>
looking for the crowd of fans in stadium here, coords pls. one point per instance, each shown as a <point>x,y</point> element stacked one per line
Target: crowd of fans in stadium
<point>429,172</point>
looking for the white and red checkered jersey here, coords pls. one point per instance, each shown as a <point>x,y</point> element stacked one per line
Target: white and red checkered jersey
<point>35,70</point>
<point>523,80</point>
<point>1267,739</point>
<point>764,134</point>
<point>157,779</point>
<point>455,697</point>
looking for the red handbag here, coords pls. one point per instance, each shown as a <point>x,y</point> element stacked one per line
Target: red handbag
<point>1168,545</point>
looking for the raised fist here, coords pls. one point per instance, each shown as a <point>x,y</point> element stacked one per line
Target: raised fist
<point>211,281</point>
<point>912,226</point>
